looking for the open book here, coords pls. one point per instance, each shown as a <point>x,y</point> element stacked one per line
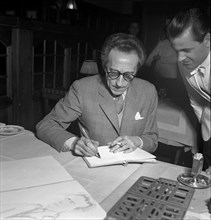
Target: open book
<point>110,158</point>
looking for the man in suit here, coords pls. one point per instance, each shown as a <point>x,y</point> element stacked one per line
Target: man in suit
<point>113,108</point>
<point>189,33</point>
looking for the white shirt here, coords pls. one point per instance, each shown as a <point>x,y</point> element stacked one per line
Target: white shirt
<point>201,102</point>
<point>203,78</point>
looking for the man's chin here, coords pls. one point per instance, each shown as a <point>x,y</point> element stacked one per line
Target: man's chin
<point>189,65</point>
<point>116,93</point>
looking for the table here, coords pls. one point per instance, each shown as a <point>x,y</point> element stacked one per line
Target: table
<point>114,180</point>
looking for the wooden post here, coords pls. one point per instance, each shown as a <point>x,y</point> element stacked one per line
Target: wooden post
<point>22,41</point>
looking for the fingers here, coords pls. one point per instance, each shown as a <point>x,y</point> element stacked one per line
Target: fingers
<point>85,147</point>
<point>116,147</point>
<point>122,143</point>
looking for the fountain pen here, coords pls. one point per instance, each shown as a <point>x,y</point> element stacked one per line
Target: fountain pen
<point>87,136</point>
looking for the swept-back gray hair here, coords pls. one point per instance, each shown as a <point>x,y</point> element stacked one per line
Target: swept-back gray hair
<point>125,43</point>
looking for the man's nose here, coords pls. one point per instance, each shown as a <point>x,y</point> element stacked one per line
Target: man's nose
<point>181,56</point>
<point>119,80</point>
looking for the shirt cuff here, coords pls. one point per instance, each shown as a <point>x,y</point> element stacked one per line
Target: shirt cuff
<point>68,144</point>
<point>141,144</point>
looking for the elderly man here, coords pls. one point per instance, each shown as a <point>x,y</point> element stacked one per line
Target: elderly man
<point>189,33</point>
<point>114,108</point>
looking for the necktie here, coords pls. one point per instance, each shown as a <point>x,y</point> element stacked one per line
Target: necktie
<point>205,123</point>
<point>203,82</point>
<point>119,104</point>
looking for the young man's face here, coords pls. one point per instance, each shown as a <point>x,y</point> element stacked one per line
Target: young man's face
<point>120,62</point>
<point>190,53</point>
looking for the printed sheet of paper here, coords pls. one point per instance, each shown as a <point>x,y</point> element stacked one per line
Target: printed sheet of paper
<point>105,152</point>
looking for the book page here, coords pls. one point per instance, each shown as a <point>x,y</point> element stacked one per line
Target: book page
<point>110,158</point>
<point>137,155</point>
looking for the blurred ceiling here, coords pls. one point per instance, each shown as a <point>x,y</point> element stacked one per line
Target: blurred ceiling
<point>119,6</point>
<point>126,6</point>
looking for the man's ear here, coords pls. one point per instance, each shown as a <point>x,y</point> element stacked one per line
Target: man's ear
<point>207,40</point>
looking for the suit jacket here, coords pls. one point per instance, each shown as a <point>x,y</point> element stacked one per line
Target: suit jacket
<point>89,101</point>
<point>199,100</point>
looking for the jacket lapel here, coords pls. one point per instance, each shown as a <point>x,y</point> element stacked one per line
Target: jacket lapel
<point>130,107</point>
<point>107,105</point>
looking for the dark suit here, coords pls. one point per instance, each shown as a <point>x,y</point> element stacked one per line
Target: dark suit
<point>89,100</point>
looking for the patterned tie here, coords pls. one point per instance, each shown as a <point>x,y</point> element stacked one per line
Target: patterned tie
<point>204,84</point>
<point>205,118</point>
<point>205,123</point>
<point>119,104</point>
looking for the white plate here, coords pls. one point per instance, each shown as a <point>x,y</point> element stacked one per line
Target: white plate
<point>8,130</point>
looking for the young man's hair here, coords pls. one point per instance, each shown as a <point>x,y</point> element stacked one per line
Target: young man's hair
<point>195,19</point>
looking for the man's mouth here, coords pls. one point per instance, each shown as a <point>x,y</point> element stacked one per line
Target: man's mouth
<point>118,88</point>
<point>186,62</point>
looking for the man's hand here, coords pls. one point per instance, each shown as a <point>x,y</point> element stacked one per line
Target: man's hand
<point>85,147</point>
<point>125,143</point>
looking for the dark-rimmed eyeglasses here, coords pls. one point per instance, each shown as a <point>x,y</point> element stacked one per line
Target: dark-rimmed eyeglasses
<point>114,74</point>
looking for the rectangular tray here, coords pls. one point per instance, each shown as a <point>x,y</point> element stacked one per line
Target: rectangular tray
<point>150,198</point>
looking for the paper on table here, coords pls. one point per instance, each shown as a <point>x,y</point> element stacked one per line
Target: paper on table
<point>139,154</point>
<point>31,172</point>
<point>60,201</point>
<point>40,188</point>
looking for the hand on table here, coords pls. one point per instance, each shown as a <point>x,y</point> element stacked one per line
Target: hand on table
<point>125,143</point>
<point>85,147</point>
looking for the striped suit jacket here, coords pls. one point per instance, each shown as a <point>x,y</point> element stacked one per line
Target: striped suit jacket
<point>89,101</point>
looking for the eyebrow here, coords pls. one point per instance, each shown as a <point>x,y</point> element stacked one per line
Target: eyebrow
<point>130,72</point>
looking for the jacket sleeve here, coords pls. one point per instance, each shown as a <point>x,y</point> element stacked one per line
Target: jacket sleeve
<point>150,134</point>
<point>52,128</point>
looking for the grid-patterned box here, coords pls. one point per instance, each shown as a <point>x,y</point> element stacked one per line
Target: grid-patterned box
<point>150,199</point>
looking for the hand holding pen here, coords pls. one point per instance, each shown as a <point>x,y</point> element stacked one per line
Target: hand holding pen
<point>88,147</point>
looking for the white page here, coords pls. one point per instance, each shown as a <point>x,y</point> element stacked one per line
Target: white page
<point>31,172</point>
<point>60,201</point>
<point>110,158</point>
<point>105,153</point>
<point>138,154</point>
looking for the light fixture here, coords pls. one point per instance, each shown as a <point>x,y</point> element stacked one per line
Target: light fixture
<point>71,4</point>
<point>89,67</point>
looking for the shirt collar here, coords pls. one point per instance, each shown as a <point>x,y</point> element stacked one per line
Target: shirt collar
<point>205,64</point>
<point>123,94</point>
